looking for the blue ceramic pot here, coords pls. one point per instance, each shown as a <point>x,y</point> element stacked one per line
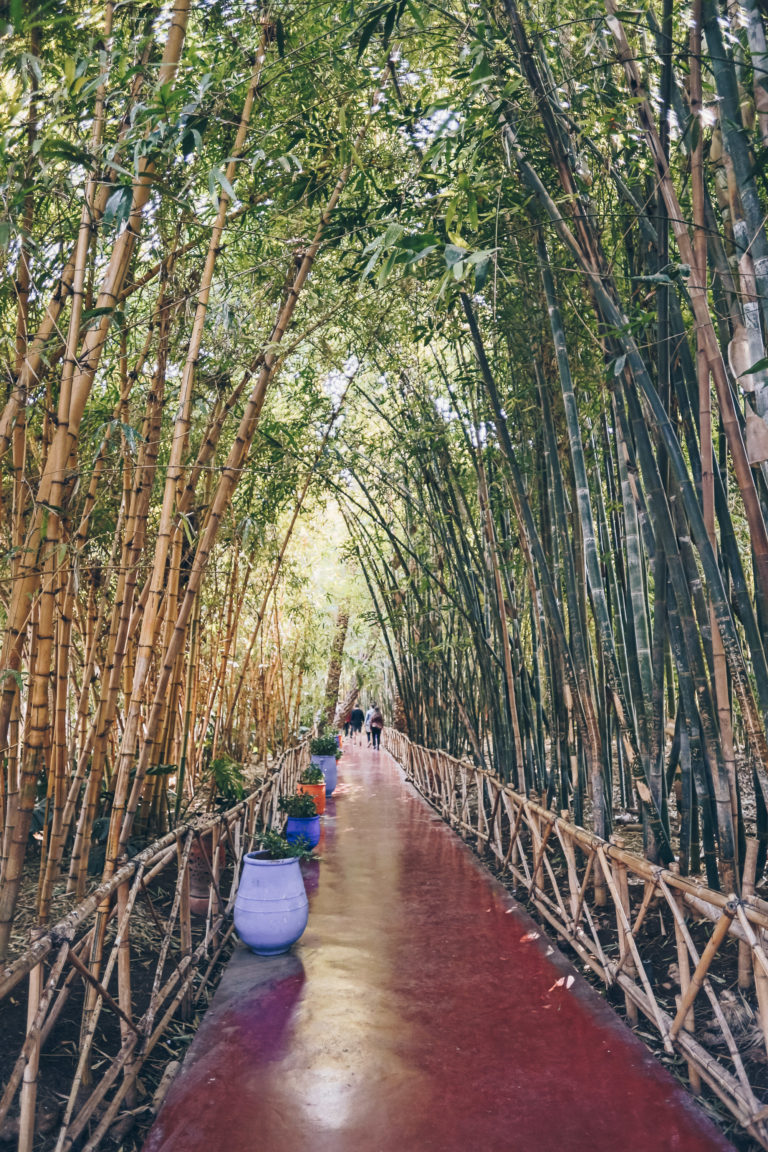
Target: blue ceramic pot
<point>327,765</point>
<point>271,906</point>
<point>303,827</point>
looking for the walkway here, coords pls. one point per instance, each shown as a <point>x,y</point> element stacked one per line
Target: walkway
<point>422,1009</point>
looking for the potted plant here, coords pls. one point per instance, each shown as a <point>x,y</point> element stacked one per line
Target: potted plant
<point>303,821</point>
<point>226,783</point>
<point>271,906</point>
<point>312,783</point>
<point>324,751</point>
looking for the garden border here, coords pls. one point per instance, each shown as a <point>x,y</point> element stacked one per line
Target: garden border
<point>72,950</point>
<point>545,852</point>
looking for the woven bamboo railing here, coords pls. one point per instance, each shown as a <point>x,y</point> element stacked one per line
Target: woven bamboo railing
<point>612,906</point>
<point>62,963</point>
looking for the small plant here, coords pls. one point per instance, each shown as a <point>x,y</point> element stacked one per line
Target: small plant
<point>325,746</point>
<point>279,848</point>
<point>301,805</point>
<point>311,775</point>
<point>226,780</point>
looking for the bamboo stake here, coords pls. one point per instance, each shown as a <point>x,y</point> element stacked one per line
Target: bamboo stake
<point>29,1078</point>
<point>570,862</point>
<point>697,979</point>
<point>31,1047</point>
<point>627,962</point>
<point>760,964</point>
<point>684,969</point>
<point>100,990</point>
<point>747,890</point>
<point>185,921</point>
<point>124,963</point>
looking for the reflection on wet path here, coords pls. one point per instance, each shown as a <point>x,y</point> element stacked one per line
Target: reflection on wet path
<point>420,1010</point>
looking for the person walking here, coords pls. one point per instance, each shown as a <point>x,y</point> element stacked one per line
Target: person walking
<point>368,715</point>
<point>356,720</point>
<point>377,723</point>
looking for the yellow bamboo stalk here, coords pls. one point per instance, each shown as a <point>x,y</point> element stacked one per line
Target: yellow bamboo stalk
<point>123,812</point>
<point>44,532</point>
<point>145,645</point>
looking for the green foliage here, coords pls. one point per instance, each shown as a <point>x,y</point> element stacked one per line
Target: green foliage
<point>378,400</point>
<point>300,804</point>
<point>326,745</point>
<point>312,775</point>
<point>227,779</point>
<point>279,848</point>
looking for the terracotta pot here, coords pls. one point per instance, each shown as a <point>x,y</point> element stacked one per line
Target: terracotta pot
<point>316,791</point>
<point>199,875</point>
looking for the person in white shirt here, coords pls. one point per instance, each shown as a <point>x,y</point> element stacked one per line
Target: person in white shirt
<point>367,723</point>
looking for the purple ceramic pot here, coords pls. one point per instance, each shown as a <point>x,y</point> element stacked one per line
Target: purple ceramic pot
<point>327,764</point>
<point>271,906</point>
<point>303,828</point>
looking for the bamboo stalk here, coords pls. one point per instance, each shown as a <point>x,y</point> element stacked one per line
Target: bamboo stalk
<point>747,890</point>
<point>31,1048</point>
<point>27,1112</point>
<point>185,921</point>
<point>697,979</point>
<point>627,961</point>
<point>173,477</point>
<point>44,531</point>
<point>123,809</point>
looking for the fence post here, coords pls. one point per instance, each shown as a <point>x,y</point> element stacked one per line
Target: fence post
<point>684,968</point>
<point>124,972</point>
<point>747,889</point>
<point>216,902</point>
<point>628,963</point>
<point>570,860</point>
<point>28,1105</point>
<point>700,973</point>
<point>185,925</point>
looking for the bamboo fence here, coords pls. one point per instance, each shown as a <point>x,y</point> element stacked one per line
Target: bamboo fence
<point>611,906</point>
<point>184,952</point>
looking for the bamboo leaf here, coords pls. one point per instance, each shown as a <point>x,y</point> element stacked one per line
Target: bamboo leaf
<point>454,254</point>
<point>759,366</point>
<point>118,207</point>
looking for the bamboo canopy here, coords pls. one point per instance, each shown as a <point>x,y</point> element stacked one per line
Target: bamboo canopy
<point>388,351</point>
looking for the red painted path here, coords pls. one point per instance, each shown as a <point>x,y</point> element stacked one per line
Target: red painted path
<point>414,1014</point>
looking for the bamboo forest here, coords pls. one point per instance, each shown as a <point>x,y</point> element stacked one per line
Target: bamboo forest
<point>400,358</point>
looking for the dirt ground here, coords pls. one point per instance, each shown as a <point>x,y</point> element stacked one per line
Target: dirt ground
<point>59,1056</point>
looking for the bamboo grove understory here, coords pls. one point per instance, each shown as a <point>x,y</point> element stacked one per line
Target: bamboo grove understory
<point>406,349</point>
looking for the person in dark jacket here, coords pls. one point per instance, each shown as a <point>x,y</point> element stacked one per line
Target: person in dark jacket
<point>377,723</point>
<point>356,720</point>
